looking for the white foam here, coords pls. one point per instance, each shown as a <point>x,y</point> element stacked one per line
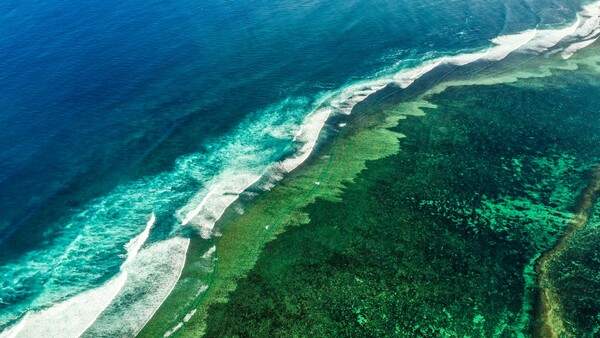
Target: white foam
<point>69,318</point>
<point>173,330</point>
<point>297,134</point>
<point>310,133</point>
<point>587,33</point>
<point>506,44</point>
<point>502,47</point>
<point>344,101</point>
<point>573,48</point>
<point>151,278</point>
<point>72,317</point>
<point>210,252</point>
<point>134,246</point>
<point>405,78</point>
<point>201,289</point>
<point>549,38</point>
<point>583,32</point>
<point>189,315</point>
<point>586,27</point>
<point>13,331</point>
<point>176,249</point>
<point>226,189</point>
<point>179,325</point>
<point>190,215</point>
<point>84,248</point>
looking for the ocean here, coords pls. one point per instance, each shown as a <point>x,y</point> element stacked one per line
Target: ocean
<point>129,127</point>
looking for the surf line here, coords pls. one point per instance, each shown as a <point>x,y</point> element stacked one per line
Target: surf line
<point>550,322</point>
<point>75,315</point>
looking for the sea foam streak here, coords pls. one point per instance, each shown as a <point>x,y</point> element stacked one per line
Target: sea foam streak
<point>587,33</point>
<point>208,255</point>
<point>79,255</point>
<point>584,31</point>
<point>151,278</point>
<point>72,317</point>
<point>226,190</point>
<point>308,135</point>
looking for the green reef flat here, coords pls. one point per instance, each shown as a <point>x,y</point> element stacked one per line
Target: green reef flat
<point>424,216</point>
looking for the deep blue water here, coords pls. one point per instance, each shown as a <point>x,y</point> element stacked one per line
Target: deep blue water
<point>112,110</point>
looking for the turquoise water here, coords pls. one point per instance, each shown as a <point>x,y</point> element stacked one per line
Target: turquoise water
<point>131,126</point>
